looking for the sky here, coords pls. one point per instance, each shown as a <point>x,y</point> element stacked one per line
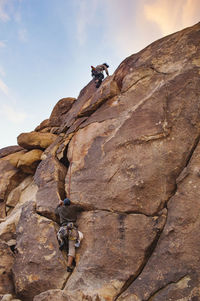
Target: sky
<point>48,46</point>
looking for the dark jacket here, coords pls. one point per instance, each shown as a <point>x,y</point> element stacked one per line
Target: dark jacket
<point>68,214</point>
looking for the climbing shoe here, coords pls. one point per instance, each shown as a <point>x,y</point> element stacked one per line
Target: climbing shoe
<point>69,269</point>
<point>77,244</point>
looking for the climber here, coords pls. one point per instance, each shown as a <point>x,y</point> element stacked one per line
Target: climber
<point>97,73</point>
<point>68,232</point>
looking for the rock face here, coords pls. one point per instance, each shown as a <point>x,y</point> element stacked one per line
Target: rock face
<point>129,154</point>
<point>33,273</point>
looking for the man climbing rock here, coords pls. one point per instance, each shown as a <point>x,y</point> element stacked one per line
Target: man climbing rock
<point>68,233</point>
<point>97,73</point>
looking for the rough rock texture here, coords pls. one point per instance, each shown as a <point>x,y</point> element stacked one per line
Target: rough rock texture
<point>29,161</point>
<point>57,116</point>
<point>174,267</point>
<point>9,150</point>
<point>38,257</point>
<point>60,110</point>
<point>35,140</point>
<point>10,177</point>
<point>114,234</point>
<point>129,153</point>
<point>7,258</point>
<point>14,196</point>
<point>49,178</point>
<point>24,193</point>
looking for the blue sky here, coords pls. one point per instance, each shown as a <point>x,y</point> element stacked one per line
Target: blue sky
<point>48,46</point>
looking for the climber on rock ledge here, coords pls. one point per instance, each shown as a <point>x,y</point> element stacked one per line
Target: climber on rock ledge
<point>68,233</point>
<point>97,73</point>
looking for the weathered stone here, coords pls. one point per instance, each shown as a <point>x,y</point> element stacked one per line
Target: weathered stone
<point>2,210</point>
<point>8,226</point>
<point>52,295</point>
<point>36,140</point>
<point>44,124</point>
<point>49,177</point>
<point>107,90</point>
<point>14,158</point>
<point>10,177</point>
<point>7,258</point>
<point>10,150</point>
<point>85,94</point>
<point>174,268</point>
<point>60,110</point>
<point>132,152</point>
<point>29,161</point>
<point>39,265</point>
<point>51,150</point>
<point>14,195</point>
<point>115,235</point>
<point>145,145</point>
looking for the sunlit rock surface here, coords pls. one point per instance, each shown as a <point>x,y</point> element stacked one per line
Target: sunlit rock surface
<point>129,153</point>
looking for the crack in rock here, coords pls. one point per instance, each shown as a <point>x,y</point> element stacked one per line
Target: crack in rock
<point>155,242</point>
<point>147,256</point>
<point>165,286</point>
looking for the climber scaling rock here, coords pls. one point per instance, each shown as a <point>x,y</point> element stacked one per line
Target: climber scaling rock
<point>68,235</point>
<point>97,73</point>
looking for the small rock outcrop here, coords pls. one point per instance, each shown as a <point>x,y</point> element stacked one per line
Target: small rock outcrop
<point>129,153</point>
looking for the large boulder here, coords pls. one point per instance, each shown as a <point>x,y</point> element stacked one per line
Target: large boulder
<point>60,110</point>
<point>15,194</point>
<point>39,265</point>
<point>10,177</point>
<point>57,116</point>
<point>71,116</point>
<point>50,178</point>
<point>36,140</point>
<point>23,193</point>
<point>29,161</point>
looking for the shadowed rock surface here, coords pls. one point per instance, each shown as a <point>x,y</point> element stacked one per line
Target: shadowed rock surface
<point>129,153</point>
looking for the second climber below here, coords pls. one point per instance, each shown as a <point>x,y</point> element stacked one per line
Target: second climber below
<point>68,232</point>
<point>97,73</point>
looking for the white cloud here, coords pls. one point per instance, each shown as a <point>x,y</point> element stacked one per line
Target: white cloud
<point>132,25</point>
<point>12,114</point>
<point>4,88</point>
<point>2,72</point>
<point>171,16</point>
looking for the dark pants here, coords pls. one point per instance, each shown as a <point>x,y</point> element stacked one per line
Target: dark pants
<point>98,77</point>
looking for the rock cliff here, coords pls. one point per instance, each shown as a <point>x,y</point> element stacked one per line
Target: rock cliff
<point>129,153</point>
